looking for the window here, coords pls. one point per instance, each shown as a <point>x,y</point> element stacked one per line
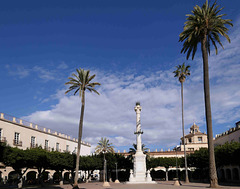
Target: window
<point>196,130</point>
<point>2,139</point>
<point>191,149</point>
<point>190,140</point>
<point>67,148</point>
<point>16,138</point>
<point>46,145</point>
<point>57,146</point>
<point>75,150</point>
<point>33,139</point>
<point>199,139</point>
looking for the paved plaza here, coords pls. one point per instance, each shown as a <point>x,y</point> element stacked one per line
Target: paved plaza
<point>159,185</point>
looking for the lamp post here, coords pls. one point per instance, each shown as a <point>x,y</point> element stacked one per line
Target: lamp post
<point>176,183</point>
<point>105,183</point>
<point>116,181</point>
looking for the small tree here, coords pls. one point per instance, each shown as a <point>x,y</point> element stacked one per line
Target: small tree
<point>104,147</point>
<point>38,158</point>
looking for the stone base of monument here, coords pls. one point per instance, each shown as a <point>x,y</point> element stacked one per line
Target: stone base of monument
<point>140,178</point>
<point>146,182</point>
<point>140,175</point>
<point>117,181</point>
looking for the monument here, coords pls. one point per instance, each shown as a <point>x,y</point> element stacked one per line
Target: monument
<point>139,174</point>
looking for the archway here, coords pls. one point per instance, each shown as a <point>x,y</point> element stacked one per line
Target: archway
<point>45,176</point>
<point>1,179</point>
<point>222,175</point>
<point>235,174</point>
<point>57,177</point>
<point>66,176</point>
<point>158,175</point>
<point>32,177</point>
<point>13,177</point>
<point>228,174</point>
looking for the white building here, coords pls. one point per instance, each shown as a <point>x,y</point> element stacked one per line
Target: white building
<point>22,134</point>
<point>230,173</point>
<point>232,135</point>
<point>195,139</point>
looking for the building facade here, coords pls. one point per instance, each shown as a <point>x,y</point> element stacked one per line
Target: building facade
<point>194,140</point>
<point>22,134</point>
<point>232,135</point>
<point>230,173</point>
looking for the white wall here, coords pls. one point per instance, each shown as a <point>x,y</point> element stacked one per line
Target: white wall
<point>9,128</point>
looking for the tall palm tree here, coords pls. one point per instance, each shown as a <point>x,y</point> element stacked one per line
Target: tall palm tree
<point>104,147</point>
<point>204,26</point>
<point>79,83</point>
<point>181,72</point>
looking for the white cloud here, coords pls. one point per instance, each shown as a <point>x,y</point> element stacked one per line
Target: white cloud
<point>112,113</point>
<point>62,66</point>
<point>44,74</point>
<point>16,70</point>
<point>39,71</point>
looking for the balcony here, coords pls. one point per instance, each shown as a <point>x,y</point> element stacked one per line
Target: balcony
<point>17,143</point>
<point>32,145</point>
<point>3,139</point>
<point>47,148</point>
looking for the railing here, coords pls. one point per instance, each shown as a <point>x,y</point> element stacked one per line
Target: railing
<point>37,127</point>
<point>32,145</point>
<point>17,143</point>
<point>47,148</point>
<point>198,142</point>
<point>3,139</point>
<point>58,150</point>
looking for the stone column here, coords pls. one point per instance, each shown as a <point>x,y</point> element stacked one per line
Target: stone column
<point>138,132</point>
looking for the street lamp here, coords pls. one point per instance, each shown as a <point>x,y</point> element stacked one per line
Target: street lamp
<point>176,183</point>
<point>116,181</point>
<point>105,183</point>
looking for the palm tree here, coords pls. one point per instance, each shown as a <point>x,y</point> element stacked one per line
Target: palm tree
<point>133,150</point>
<point>79,83</point>
<point>204,26</point>
<point>104,147</point>
<point>181,72</point>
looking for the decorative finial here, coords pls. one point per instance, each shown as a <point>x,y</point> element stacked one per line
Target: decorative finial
<point>137,103</point>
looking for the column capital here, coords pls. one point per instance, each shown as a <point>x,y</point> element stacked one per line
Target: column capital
<point>138,108</point>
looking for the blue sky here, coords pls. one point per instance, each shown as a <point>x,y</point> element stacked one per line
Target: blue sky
<point>132,47</point>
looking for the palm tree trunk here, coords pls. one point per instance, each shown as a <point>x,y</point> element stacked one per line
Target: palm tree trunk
<point>212,166</point>
<point>79,140</point>
<point>104,167</point>
<point>185,156</point>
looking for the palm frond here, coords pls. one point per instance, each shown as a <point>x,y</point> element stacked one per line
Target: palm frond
<point>204,20</point>
<point>80,82</point>
<point>182,71</point>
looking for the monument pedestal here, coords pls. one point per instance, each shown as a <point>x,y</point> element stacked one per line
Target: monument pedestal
<point>139,172</point>
<point>140,175</point>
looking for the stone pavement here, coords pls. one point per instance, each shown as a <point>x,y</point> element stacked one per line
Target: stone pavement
<point>159,185</point>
